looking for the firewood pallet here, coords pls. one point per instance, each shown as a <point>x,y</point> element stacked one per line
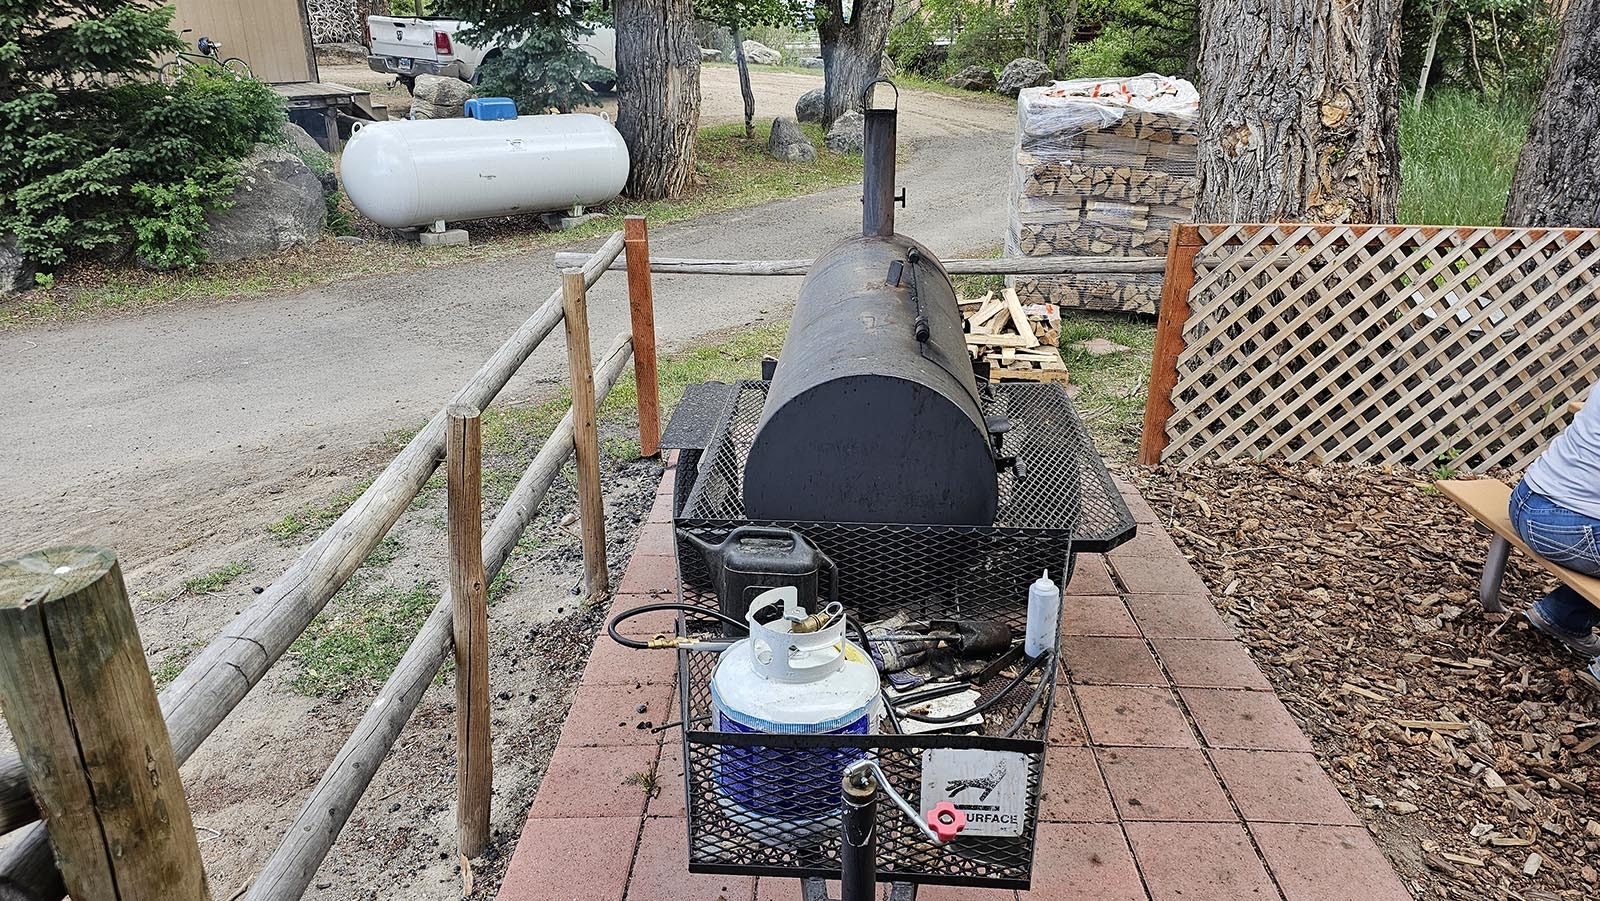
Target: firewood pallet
<point>1019,343</point>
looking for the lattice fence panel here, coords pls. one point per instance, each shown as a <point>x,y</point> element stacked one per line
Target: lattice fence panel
<point>1384,344</point>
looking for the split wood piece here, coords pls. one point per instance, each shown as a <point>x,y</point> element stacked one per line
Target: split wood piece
<point>469,621</point>
<point>1031,375</point>
<point>81,707</point>
<point>308,839</point>
<point>1019,319</point>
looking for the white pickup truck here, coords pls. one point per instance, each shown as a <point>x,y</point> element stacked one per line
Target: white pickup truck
<point>408,46</point>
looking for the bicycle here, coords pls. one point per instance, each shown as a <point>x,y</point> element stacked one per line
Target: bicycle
<point>210,53</point>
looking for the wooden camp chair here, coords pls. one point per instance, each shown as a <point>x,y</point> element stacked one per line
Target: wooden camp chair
<point>1488,501</point>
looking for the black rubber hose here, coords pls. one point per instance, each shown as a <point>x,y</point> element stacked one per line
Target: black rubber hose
<point>1033,702</point>
<point>611,624</point>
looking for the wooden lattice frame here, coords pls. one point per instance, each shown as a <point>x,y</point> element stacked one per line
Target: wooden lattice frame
<point>1400,345</point>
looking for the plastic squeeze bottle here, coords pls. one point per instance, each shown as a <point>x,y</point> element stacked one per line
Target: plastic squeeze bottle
<point>1044,606</point>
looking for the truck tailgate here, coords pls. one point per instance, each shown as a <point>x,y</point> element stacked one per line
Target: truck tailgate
<point>402,37</point>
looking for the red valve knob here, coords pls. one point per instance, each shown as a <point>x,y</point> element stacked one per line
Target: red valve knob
<point>946,821</point>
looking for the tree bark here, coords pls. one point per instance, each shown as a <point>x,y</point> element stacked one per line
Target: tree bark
<point>1557,182</point>
<point>851,51</point>
<point>1299,111</point>
<point>1069,30</point>
<point>744,82</point>
<point>658,94</point>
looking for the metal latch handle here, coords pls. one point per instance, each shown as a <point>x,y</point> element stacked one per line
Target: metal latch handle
<point>942,823</point>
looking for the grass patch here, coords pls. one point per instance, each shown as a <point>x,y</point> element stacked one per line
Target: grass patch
<point>1457,155</point>
<point>217,579</point>
<point>178,657</point>
<point>732,172</point>
<point>1112,387</point>
<point>360,637</point>
<point>317,517</point>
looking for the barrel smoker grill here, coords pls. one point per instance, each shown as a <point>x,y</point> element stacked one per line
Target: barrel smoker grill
<point>931,490</point>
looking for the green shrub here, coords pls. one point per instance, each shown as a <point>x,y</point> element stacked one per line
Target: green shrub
<point>1457,155</point>
<point>135,161</point>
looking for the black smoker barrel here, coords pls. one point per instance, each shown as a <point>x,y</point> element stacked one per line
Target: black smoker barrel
<point>873,415</point>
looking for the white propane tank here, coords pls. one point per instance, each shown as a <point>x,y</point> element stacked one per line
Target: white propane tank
<point>779,681</point>
<point>405,173</point>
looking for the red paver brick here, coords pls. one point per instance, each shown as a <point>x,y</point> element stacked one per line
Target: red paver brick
<point>1151,542</point>
<point>1178,616</point>
<point>661,869</point>
<point>1170,784</point>
<point>1097,614</point>
<point>1327,863</point>
<point>1244,719</point>
<point>650,573</point>
<point>587,782</point>
<point>1066,726</point>
<point>1091,577</point>
<point>1072,790</point>
<point>964,893</point>
<point>1282,787</point>
<point>608,715</point>
<point>661,507</point>
<point>1134,715</point>
<point>644,625</point>
<point>612,664</point>
<point>1110,661</point>
<point>1209,663</point>
<point>1157,575</point>
<point>1199,862</point>
<point>656,538</point>
<point>1083,862</point>
<point>669,799</point>
<point>550,852</point>
<point>1140,508</point>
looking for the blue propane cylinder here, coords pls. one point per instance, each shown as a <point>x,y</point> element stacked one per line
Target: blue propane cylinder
<point>785,682</point>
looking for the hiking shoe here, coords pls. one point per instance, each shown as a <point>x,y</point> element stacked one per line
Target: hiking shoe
<point>1591,676</point>
<point>1586,644</point>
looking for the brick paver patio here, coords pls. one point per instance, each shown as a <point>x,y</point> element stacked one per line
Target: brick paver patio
<point>1174,772</point>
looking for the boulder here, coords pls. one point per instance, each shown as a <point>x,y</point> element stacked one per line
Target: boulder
<point>277,205</point>
<point>847,133</point>
<point>312,154</point>
<point>972,78</point>
<point>760,54</point>
<point>810,62</point>
<point>1022,73</point>
<point>788,143</point>
<point>438,97</point>
<point>16,271</point>
<point>809,107</point>
<point>710,55</point>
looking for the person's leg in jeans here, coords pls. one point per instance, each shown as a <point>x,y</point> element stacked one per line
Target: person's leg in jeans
<point>1567,539</point>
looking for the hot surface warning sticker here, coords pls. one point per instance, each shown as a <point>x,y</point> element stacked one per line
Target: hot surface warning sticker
<point>990,787</point>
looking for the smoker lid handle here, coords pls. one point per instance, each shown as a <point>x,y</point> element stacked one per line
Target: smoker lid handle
<point>866,93</point>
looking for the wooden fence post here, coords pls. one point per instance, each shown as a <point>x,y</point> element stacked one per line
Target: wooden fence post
<point>470,626</point>
<point>585,440</point>
<point>81,707</point>
<point>642,304</point>
<point>1173,316</point>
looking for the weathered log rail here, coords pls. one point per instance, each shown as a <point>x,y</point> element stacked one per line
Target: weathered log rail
<point>1001,266</point>
<point>203,695</point>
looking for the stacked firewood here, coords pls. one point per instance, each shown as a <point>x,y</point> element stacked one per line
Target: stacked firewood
<point>1019,342</point>
<point>1102,169</point>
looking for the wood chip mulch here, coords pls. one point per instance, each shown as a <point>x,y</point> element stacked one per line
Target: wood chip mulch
<point>1464,739</point>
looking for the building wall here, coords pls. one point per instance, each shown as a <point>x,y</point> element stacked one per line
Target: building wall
<point>270,35</point>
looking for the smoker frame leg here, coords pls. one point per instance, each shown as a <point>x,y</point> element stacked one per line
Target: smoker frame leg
<point>813,889</point>
<point>1494,571</point>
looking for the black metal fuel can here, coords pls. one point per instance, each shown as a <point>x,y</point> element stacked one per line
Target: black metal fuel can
<point>753,559</point>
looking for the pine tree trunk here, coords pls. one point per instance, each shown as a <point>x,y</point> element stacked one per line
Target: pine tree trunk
<point>1557,181</point>
<point>851,52</point>
<point>744,81</point>
<point>1299,111</point>
<point>658,94</point>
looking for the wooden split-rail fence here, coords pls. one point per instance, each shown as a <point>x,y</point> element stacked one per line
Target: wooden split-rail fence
<point>100,750</point>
